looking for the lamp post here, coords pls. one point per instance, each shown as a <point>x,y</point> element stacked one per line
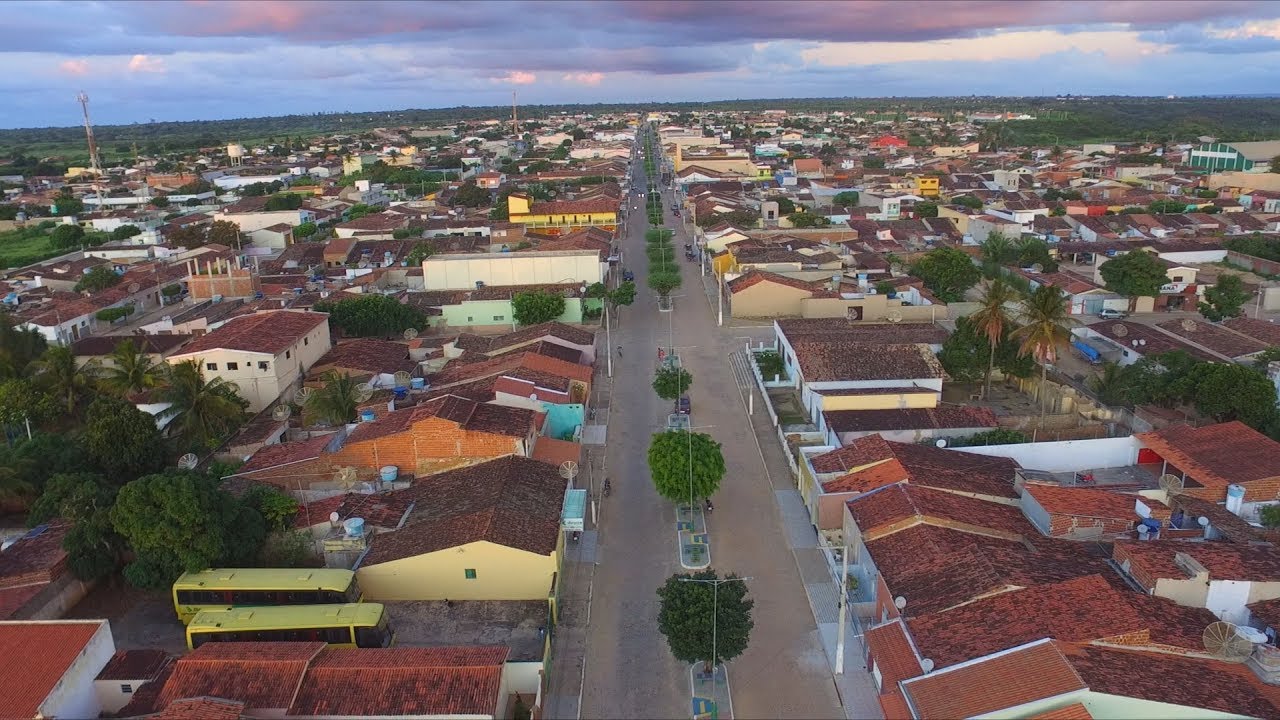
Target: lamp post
<point>715,607</point>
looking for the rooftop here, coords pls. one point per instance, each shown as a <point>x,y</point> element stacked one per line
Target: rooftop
<point>1217,455</point>
<point>1092,502</point>
<point>842,330</point>
<point>890,506</point>
<point>517,624</point>
<point>942,417</point>
<point>1224,561</point>
<point>269,333</point>
<point>1218,339</point>
<point>853,362</point>
<point>1004,680</point>
<point>34,656</point>
<point>925,465</point>
<point>368,355</point>
<point>262,675</point>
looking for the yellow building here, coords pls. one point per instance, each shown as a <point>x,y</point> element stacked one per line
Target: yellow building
<point>490,531</point>
<point>562,216</point>
<point>926,185</point>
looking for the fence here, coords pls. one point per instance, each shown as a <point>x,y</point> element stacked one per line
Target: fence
<point>750,358</point>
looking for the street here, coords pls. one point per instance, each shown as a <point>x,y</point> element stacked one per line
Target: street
<point>629,670</point>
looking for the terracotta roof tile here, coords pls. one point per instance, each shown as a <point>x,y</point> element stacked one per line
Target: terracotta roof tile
<point>1014,678</point>
<point>842,330</point>
<point>1092,502</point>
<point>511,501</point>
<point>1217,339</point>
<point>943,417</point>
<point>751,278</point>
<point>15,598</point>
<point>201,708</point>
<point>859,453</point>
<point>33,658</point>
<point>1217,455</point>
<point>926,465</point>
<point>268,332</point>
<point>1224,561</point>
<point>138,664</point>
<point>894,656</point>
<point>1074,711</point>
<point>367,355</point>
<point>891,505</point>
<point>835,362</point>
<point>1267,332</point>
<point>868,479</point>
<point>262,675</point>
<point>496,343</point>
<point>36,557</point>
<point>277,454</point>
<point>1266,611</point>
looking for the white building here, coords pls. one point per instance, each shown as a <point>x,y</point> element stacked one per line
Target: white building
<point>555,267</point>
<point>49,667</point>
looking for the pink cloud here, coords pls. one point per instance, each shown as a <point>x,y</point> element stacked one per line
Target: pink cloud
<point>146,64</point>
<point>74,67</point>
<point>517,77</point>
<point>584,78</point>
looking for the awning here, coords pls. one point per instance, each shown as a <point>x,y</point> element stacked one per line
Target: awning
<point>574,513</point>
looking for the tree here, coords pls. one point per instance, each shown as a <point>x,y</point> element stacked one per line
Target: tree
<point>93,546</point>
<point>926,210</point>
<point>159,202</point>
<point>969,201</point>
<point>66,237</point>
<point>873,163</point>
<point>998,436</point>
<point>99,278</point>
<point>992,321</point>
<point>1136,273</point>
<point>189,236</point>
<point>201,411</point>
<point>1225,299</point>
<point>283,201</point>
<point>276,508</point>
<point>1161,207</point>
<point>223,232</point>
<point>707,622</point>
<point>306,230</point>
<point>948,272</point>
<point>124,232</point>
<point>1228,391</point>
<point>360,210</point>
<point>624,294</point>
<point>372,315</point>
<point>179,521</point>
<point>67,204</point>
<point>1045,316</point>
<point>19,347</point>
<point>669,455</point>
<point>58,373</point>
<point>785,204</point>
<point>806,219</point>
<point>471,195</point>
<point>664,282</point>
<point>537,306</point>
<point>420,252</point>
<point>336,402</point>
<point>671,382</point>
<point>22,400</point>
<point>847,198</point>
<point>122,440</point>
<point>997,249</point>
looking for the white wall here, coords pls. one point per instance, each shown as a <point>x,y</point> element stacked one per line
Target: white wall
<point>458,272</point>
<point>1066,455</point>
<point>76,696</point>
<point>1199,256</point>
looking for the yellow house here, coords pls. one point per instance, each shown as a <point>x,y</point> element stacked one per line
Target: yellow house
<point>490,531</point>
<point>562,216</point>
<point>926,185</point>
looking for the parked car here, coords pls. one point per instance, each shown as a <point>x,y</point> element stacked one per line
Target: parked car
<point>628,276</point>
<point>1109,314</point>
<point>682,405</point>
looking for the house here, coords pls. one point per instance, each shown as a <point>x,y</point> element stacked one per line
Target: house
<point>263,355</point>
<point>554,267</point>
<point>49,667</point>
<point>490,180</point>
<point>887,141</point>
<point>128,671</point>
<point>1079,512</point>
<point>764,294</point>
<point>250,214</point>
<point>277,236</point>
<point>562,216</point>
<point>1220,577</point>
<point>1229,462</point>
<point>35,583</point>
<point>367,359</point>
<point>491,531</point>
<point>99,348</point>
<point>552,332</point>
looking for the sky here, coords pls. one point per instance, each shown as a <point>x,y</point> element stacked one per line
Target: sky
<point>216,59</point>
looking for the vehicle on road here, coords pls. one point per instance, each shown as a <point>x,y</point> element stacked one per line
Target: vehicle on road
<point>628,276</point>
<point>683,406</point>
<point>1109,314</point>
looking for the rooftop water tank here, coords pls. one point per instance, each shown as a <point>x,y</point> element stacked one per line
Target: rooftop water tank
<point>354,527</point>
<point>417,383</point>
<point>389,473</point>
<point>1235,498</point>
<point>367,415</point>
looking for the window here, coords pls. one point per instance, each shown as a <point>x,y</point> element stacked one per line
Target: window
<point>305,341</point>
<point>499,317</point>
<point>262,365</point>
<point>470,573</point>
<point>233,366</point>
<point>126,688</point>
<point>211,366</point>
<point>287,354</point>
<point>469,318</point>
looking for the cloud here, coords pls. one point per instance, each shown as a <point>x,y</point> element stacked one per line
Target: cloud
<point>146,64</point>
<point>1002,47</point>
<point>74,67</point>
<point>517,77</point>
<point>584,78</point>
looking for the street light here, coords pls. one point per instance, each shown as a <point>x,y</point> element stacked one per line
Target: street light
<point>715,606</point>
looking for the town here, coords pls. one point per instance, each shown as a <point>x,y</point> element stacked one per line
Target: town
<point>652,411</point>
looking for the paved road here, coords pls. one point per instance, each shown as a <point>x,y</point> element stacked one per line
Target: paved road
<point>629,670</point>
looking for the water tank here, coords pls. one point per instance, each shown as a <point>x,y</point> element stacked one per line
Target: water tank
<point>1235,498</point>
<point>389,473</point>
<point>354,527</point>
<point>235,150</point>
<point>417,383</point>
<point>367,415</point>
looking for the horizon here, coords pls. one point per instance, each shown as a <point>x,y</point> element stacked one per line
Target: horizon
<point>178,62</point>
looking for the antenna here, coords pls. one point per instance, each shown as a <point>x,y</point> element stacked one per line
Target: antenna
<point>410,333</point>
<point>402,378</point>
<point>189,461</point>
<point>1189,325</point>
<point>303,395</point>
<point>346,476</point>
<point>1225,641</point>
<point>568,470</point>
<point>1119,330</point>
<point>927,665</point>
<point>95,163</point>
<point>365,391</point>
<point>281,413</point>
<point>900,602</point>
<point>893,316</point>
<point>1171,484</point>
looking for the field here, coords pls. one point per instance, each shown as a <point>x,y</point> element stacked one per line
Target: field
<point>25,246</point>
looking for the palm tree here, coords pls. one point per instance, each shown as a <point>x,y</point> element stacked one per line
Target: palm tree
<point>992,321</point>
<point>336,402</point>
<point>200,409</point>
<point>997,249</point>
<point>131,370</point>
<point>1045,316</point>
<point>57,371</point>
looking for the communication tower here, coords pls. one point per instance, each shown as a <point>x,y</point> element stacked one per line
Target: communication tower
<point>95,163</point>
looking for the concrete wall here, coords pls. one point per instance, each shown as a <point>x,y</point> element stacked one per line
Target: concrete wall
<point>55,599</point>
<point>498,313</point>
<point>1246,180</point>
<point>248,222</point>
<point>1066,455</point>
<point>502,573</point>
<point>75,695</point>
<point>768,300</point>
<point>459,272</point>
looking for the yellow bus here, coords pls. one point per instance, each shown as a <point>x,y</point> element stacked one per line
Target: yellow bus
<point>353,624</point>
<point>234,587</point>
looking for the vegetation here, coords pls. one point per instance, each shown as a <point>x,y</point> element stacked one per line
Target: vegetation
<point>372,315</point>
<point>110,315</point>
<point>664,282</point>
<point>537,306</point>
<point>1045,316</point>
<point>947,272</point>
<point>671,382</point>
<point>697,616</point>
<point>471,195</point>
<point>202,410</point>
<point>122,440</point>
<point>669,456</point>
<point>770,364</point>
<point>1134,274</point>
<point>335,403</point>
<point>1224,300</point>
<point>420,252</point>
<point>806,219</point>
<point>966,354</point>
<point>998,436</point>
<point>285,201</point>
<point>992,321</point>
<point>926,210</point>
<point>99,278</point>
<point>1256,245</point>
<point>94,548</point>
<point>847,198</point>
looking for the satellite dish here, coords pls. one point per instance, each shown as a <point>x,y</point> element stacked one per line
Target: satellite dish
<point>189,461</point>
<point>926,665</point>
<point>1037,268</point>
<point>893,316</point>
<point>410,333</point>
<point>334,517</point>
<point>568,469</point>
<point>281,413</point>
<point>1202,521</point>
<point>364,263</point>
<point>1171,484</point>
<point>402,378</point>
<point>1224,641</point>
<point>134,287</point>
<point>1119,330</point>
<point>941,442</point>
<point>364,391</point>
<point>303,395</point>
<point>346,476</point>
<point>900,602</point>
<point>1189,325</point>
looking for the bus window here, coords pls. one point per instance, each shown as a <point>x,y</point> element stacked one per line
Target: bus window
<point>353,593</point>
<point>304,597</point>
<point>336,635</point>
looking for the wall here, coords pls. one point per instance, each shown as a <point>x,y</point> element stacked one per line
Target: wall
<point>54,599</point>
<point>907,436</point>
<point>458,272</point>
<point>874,309</point>
<point>1066,455</point>
<point>502,573</point>
<point>767,300</point>
<point>561,419</point>
<point>1251,181</point>
<point>429,446</point>
<point>498,313</point>
<point>239,283</point>
<point>248,222</point>
<point>75,696</point>
<point>888,401</point>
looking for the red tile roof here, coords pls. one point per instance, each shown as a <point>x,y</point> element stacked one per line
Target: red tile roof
<point>754,277</point>
<point>35,655</point>
<point>834,362</point>
<point>1074,711</point>
<point>894,656</point>
<point>367,355</point>
<point>888,507</point>
<point>262,675</point>
<point>868,479</point>
<point>1030,673</point>
<point>277,454</point>
<point>1217,455</point>
<point>943,417</point>
<point>437,681</point>
<point>925,465</point>
<point>267,332</point>
<point>1092,502</point>
<point>138,664</point>
<point>1224,561</point>
<point>201,708</point>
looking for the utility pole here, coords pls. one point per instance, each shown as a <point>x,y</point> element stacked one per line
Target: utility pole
<point>515,126</point>
<point>715,608</point>
<point>844,603</point>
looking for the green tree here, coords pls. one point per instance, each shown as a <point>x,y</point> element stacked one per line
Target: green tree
<point>969,201</point>
<point>122,440</point>
<point>948,272</point>
<point>335,403</point>
<point>223,232</point>
<point>283,201</point>
<point>22,400</point>
<point>66,237</point>
<point>306,230</point>
<point>806,219</point>
<point>276,508</point>
<point>1110,384</point>
<point>785,204</point>
<point>1045,316</point>
<point>159,202</point>
<point>124,232</point>
<point>19,347</point>
<point>1134,274</point>
<point>926,210</point>
<point>179,521</point>
<point>872,162</point>
<point>624,294</point>
<point>1228,391</point>
<point>189,236</point>
<point>59,374</point>
<point>202,410</point>
<point>471,195</point>
<point>846,198</point>
<point>992,321</point>
<point>669,455</point>
<point>92,545</point>
<point>67,204</point>
<point>998,249</point>
<point>99,278</point>
<point>130,371</point>
<point>998,436</point>
<point>664,282</point>
<point>1224,300</point>
<point>1162,207</point>
<point>696,617</point>
<point>372,315</point>
<point>537,306</point>
<point>671,382</point>
<point>420,252</point>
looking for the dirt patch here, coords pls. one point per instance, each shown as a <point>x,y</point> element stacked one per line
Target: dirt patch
<point>139,618</point>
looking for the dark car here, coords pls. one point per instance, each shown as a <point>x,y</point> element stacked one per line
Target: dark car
<point>682,405</point>
<point>628,276</point>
